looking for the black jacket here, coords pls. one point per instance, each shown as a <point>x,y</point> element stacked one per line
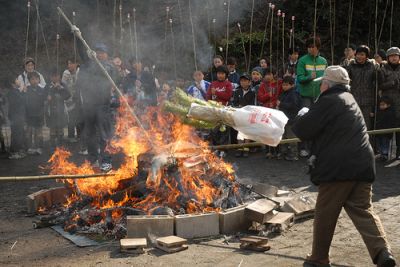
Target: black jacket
<point>16,105</point>
<point>240,100</point>
<point>290,103</point>
<point>56,113</point>
<point>34,102</point>
<point>363,82</point>
<point>386,119</point>
<point>340,142</point>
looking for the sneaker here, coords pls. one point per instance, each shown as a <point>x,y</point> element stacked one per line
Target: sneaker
<point>105,167</point>
<point>279,156</point>
<point>38,151</point>
<point>17,155</point>
<point>395,163</point>
<point>291,158</point>
<point>269,155</point>
<point>222,154</point>
<point>83,152</point>
<point>245,154</point>
<point>31,151</point>
<point>72,140</point>
<point>304,153</point>
<point>238,153</point>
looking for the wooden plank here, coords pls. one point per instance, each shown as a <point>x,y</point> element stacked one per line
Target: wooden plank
<point>254,240</point>
<point>171,241</point>
<point>171,250</point>
<point>80,241</point>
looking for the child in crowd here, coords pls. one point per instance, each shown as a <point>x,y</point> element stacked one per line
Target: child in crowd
<point>16,116</point>
<point>292,62</point>
<point>199,88</point>
<point>165,94</point>
<point>289,102</point>
<point>3,120</point>
<point>270,89</point>
<point>267,96</point>
<point>243,96</point>
<point>221,92</point>
<point>56,113</point>
<point>385,119</point>
<point>256,78</point>
<point>233,76</point>
<point>34,102</point>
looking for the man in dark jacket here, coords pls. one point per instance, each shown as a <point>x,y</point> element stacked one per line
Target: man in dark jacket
<point>363,73</point>
<point>389,83</point>
<point>343,167</point>
<point>95,95</point>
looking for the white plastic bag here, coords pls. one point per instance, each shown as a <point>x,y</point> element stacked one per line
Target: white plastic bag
<point>260,124</point>
<point>256,123</point>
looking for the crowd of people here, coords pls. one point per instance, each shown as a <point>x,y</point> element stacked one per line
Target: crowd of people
<point>82,100</point>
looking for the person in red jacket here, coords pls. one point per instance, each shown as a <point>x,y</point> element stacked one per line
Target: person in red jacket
<point>221,92</point>
<point>270,89</point>
<point>221,89</point>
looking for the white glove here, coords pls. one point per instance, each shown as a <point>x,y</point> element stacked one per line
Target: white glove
<point>303,111</point>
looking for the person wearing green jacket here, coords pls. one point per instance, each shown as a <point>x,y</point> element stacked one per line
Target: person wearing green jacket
<point>309,68</point>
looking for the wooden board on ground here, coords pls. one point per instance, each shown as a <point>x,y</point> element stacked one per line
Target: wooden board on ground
<point>80,241</point>
<point>171,241</point>
<point>301,206</point>
<point>265,189</point>
<point>171,249</point>
<point>254,240</point>
<point>131,243</point>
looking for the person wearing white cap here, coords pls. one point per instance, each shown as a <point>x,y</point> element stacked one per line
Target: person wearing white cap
<point>389,83</point>
<point>342,165</point>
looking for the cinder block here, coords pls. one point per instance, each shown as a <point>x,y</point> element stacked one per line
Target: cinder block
<point>46,198</point>
<point>149,226</point>
<point>281,221</point>
<point>260,211</point>
<point>233,220</point>
<point>197,225</point>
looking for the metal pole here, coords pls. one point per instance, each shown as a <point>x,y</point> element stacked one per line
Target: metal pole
<point>53,177</point>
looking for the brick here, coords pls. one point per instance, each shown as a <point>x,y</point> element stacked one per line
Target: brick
<point>233,220</point>
<point>260,211</point>
<point>197,225</point>
<point>46,198</point>
<point>149,226</point>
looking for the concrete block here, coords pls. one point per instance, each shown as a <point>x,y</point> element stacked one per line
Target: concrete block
<point>197,225</point>
<point>281,221</point>
<point>260,211</point>
<point>149,226</point>
<point>233,220</point>
<point>46,198</point>
<point>171,241</point>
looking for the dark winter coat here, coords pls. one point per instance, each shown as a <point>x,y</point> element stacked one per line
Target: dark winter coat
<point>234,78</point>
<point>211,75</point>
<point>389,83</point>
<point>386,119</point>
<point>240,99</point>
<point>56,112</point>
<point>34,103</point>
<point>340,142</point>
<point>93,87</point>
<point>290,103</point>
<point>16,105</point>
<point>363,83</point>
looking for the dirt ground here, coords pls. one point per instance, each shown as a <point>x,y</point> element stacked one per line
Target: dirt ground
<point>21,245</point>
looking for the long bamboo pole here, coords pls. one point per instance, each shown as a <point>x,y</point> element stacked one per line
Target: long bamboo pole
<point>294,140</point>
<point>53,177</point>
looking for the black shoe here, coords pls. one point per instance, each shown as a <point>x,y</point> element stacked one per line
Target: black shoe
<point>238,153</point>
<point>245,154</point>
<point>310,264</point>
<point>385,259</point>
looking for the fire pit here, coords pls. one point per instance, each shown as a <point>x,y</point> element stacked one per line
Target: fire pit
<point>176,174</point>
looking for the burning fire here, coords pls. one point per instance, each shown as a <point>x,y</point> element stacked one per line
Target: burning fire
<point>170,165</point>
